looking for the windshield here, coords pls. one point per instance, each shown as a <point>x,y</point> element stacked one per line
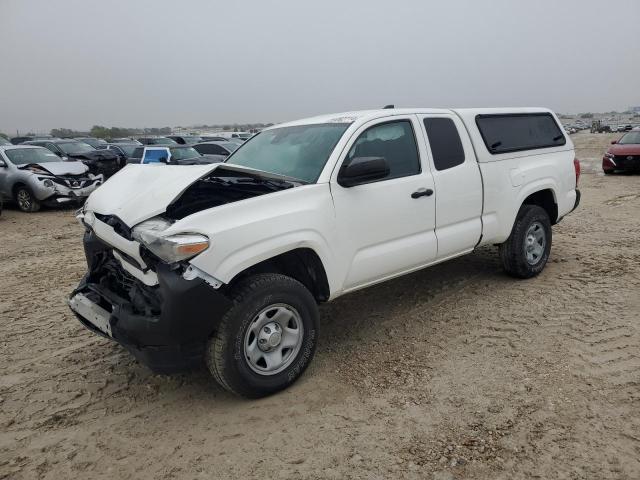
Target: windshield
<point>75,147</point>
<point>25,156</point>
<point>183,153</point>
<point>630,138</point>
<point>300,152</point>
<point>193,139</point>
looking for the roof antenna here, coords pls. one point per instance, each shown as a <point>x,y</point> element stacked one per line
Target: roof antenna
<point>389,106</point>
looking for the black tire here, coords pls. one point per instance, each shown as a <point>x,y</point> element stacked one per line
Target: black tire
<point>225,355</point>
<point>513,252</point>
<point>26,200</point>
<point>608,172</point>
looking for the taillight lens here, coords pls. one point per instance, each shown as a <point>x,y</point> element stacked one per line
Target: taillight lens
<point>576,165</point>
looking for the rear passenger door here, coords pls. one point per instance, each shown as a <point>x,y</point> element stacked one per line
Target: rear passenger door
<point>458,184</point>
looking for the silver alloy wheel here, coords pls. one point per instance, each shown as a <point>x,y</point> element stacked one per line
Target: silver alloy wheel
<point>24,200</point>
<point>273,339</point>
<point>535,242</point>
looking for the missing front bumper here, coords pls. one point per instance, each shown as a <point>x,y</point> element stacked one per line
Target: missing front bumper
<point>165,326</point>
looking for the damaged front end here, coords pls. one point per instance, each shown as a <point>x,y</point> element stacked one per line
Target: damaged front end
<point>99,162</point>
<point>53,186</point>
<point>141,289</point>
<point>164,325</point>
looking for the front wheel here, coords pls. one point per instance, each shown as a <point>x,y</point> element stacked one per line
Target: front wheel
<point>525,253</point>
<point>267,338</point>
<point>26,201</point>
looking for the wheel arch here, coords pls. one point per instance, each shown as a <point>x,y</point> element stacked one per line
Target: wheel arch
<point>16,186</point>
<point>546,199</point>
<point>302,263</point>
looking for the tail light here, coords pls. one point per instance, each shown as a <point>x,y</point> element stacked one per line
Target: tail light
<point>576,166</point>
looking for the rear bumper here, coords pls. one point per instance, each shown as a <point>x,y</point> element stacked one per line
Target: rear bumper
<point>578,195</point>
<point>165,327</point>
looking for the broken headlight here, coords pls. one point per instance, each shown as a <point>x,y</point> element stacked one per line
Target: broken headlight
<point>170,248</point>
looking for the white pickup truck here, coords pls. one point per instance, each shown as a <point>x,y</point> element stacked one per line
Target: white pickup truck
<point>227,262</point>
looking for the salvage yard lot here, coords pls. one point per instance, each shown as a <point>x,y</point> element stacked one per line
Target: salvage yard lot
<point>457,371</point>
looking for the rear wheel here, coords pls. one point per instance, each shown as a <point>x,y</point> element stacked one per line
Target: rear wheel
<point>267,338</point>
<point>525,253</point>
<point>26,201</point>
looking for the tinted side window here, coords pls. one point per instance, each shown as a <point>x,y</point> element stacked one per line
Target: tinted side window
<point>515,132</point>
<point>137,153</point>
<point>218,150</point>
<point>444,139</point>
<point>203,149</point>
<point>210,149</point>
<point>395,142</point>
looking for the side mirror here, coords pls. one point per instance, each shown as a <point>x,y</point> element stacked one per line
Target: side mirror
<point>361,170</point>
<point>2,164</point>
<point>613,142</point>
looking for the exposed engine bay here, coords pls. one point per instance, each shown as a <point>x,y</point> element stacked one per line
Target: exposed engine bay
<point>224,185</point>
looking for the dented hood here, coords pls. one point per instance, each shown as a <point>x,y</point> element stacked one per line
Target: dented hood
<point>63,168</point>
<point>139,192</point>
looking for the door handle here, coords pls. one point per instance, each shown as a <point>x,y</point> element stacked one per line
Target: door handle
<point>422,192</point>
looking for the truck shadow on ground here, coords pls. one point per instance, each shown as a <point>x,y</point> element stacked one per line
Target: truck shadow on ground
<point>353,321</point>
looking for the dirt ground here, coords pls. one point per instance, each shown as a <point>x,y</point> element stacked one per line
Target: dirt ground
<point>454,372</point>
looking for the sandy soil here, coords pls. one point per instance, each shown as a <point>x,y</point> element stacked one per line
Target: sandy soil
<point>453,372</point>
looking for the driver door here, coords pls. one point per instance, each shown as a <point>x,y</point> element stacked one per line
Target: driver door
<point>386,227</point>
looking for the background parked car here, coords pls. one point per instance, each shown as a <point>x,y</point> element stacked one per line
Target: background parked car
<point>216,148</point>
<point>124,151</point>
<point>241,135</point>
<point>624,154</point>
<point>180,155</point>
<point>94,142</point>
<point>212,138</point>
<point>31,176</point>
<point>27,138</point>
<point>185,139</point>
<point>99,161</point>
<point>4,141</point>
<point>124,140</point>
<point>157,141</point>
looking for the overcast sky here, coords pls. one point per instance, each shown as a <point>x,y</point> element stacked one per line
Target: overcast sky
<point>133,63</point>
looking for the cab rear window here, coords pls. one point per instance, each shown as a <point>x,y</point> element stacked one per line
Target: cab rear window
<point>504,133</point>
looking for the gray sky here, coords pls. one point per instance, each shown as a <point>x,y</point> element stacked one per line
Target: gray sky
<point>76,63</point>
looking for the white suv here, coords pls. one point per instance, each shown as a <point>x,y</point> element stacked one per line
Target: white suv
<point>228,262</point>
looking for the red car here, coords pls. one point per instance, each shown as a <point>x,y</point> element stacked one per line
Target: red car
<point>624,154</point>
